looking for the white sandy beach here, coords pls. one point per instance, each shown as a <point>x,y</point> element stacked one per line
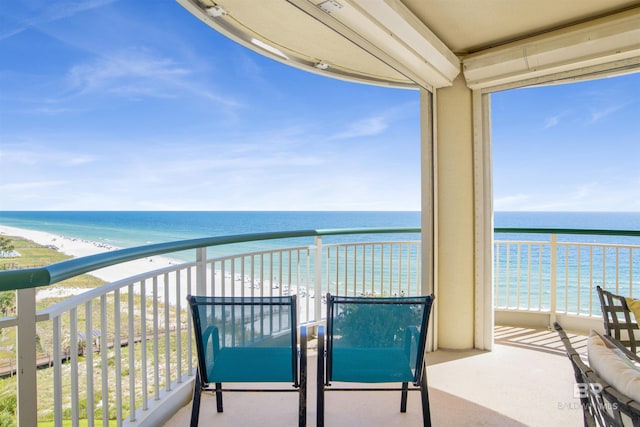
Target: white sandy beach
<point>79,248</point>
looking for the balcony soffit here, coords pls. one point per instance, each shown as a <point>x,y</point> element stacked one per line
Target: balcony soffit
<point>469,26</point>
<point>305,41</point>
<point>329,44</point>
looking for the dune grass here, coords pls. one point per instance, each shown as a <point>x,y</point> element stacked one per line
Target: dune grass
<point>33,255</point>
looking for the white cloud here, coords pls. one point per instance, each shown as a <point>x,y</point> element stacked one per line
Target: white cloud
<point>46,11</point>
<point>34,185</point>
<point>621,193</point>
<point>599,114</point>
<point>364,127</point>
<point>27,155</point>
<point>115,73</point>
<point>551,122</point>
<point>140,73</point>
<point>76,160</point>
<point>556,119</point>
<point>512,202</point>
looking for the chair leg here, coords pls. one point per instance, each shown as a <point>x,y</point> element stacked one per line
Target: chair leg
<point>424,393</point>
<point>403,399</point>
<point>320,379</point>
<point>219,397</point>
<point>195,405</point>
<point>302,409</point>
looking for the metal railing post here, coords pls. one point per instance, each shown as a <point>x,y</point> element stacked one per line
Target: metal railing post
<point>554,268</point>
<point>317,280</point>
<point>201,271</point>
<point>26,354</point>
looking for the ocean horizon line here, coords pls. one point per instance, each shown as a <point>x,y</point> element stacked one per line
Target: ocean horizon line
<point>309,210</point>
<point>135,228</point>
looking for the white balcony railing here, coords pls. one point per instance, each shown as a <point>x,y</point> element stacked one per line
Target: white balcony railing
<point>561,276</point>
<point>123,353</point>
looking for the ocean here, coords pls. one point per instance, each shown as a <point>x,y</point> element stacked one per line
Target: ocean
<point>129,229</point>
<point>135,228</point>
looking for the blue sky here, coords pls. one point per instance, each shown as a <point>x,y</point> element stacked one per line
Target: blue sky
<point>137,105</point>
<point>572,147</point>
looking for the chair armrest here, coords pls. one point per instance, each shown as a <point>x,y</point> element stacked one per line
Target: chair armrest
<point>410,333</point>
<point>215,339</point>
<point>412,330</point>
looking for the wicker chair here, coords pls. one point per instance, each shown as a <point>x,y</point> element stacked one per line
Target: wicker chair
<point>619,322</point>
<point>602,404</point>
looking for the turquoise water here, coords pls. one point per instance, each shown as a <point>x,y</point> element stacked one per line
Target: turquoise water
<point>523,278</point>
<point>127,229</point>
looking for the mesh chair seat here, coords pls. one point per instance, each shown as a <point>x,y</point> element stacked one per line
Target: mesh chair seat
<point>248,340</point>
<point>371,365</point>
<point>252,364</point>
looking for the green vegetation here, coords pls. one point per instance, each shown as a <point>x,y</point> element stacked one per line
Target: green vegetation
<point>34,255</point>
<point>6,244</point>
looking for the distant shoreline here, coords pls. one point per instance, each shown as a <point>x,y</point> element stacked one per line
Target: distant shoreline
<point>80,248</point>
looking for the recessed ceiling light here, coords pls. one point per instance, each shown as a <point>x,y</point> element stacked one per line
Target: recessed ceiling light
<point>269,48</point>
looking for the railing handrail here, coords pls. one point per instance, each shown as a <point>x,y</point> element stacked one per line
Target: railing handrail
<point>54,273</point>
<point>599,232</point>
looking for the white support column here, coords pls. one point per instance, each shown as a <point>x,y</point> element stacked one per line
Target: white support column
<point>455,222</point>
<point>26,351</point>
<point>483,205</point>
<point>428,208</point>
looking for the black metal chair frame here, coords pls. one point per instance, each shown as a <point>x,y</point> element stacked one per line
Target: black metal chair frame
<point>603,405</point>
<point>325,358</point>
<point>622,329</point>
<point>299,355</point>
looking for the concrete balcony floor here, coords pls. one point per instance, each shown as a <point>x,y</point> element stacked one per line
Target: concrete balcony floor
<point>525,380</point>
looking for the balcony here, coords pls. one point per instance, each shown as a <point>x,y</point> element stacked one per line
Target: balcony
<point>137,369</point>
<point>525,380</point>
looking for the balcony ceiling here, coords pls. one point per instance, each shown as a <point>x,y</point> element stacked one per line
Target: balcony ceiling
<point>468,26</point>
<point>424,42</point>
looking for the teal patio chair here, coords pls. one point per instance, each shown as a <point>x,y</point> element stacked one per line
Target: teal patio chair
<point>248,340</point>
<point>374,340</point>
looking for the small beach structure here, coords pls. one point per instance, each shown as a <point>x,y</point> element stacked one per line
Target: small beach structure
<point>10,254</point>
